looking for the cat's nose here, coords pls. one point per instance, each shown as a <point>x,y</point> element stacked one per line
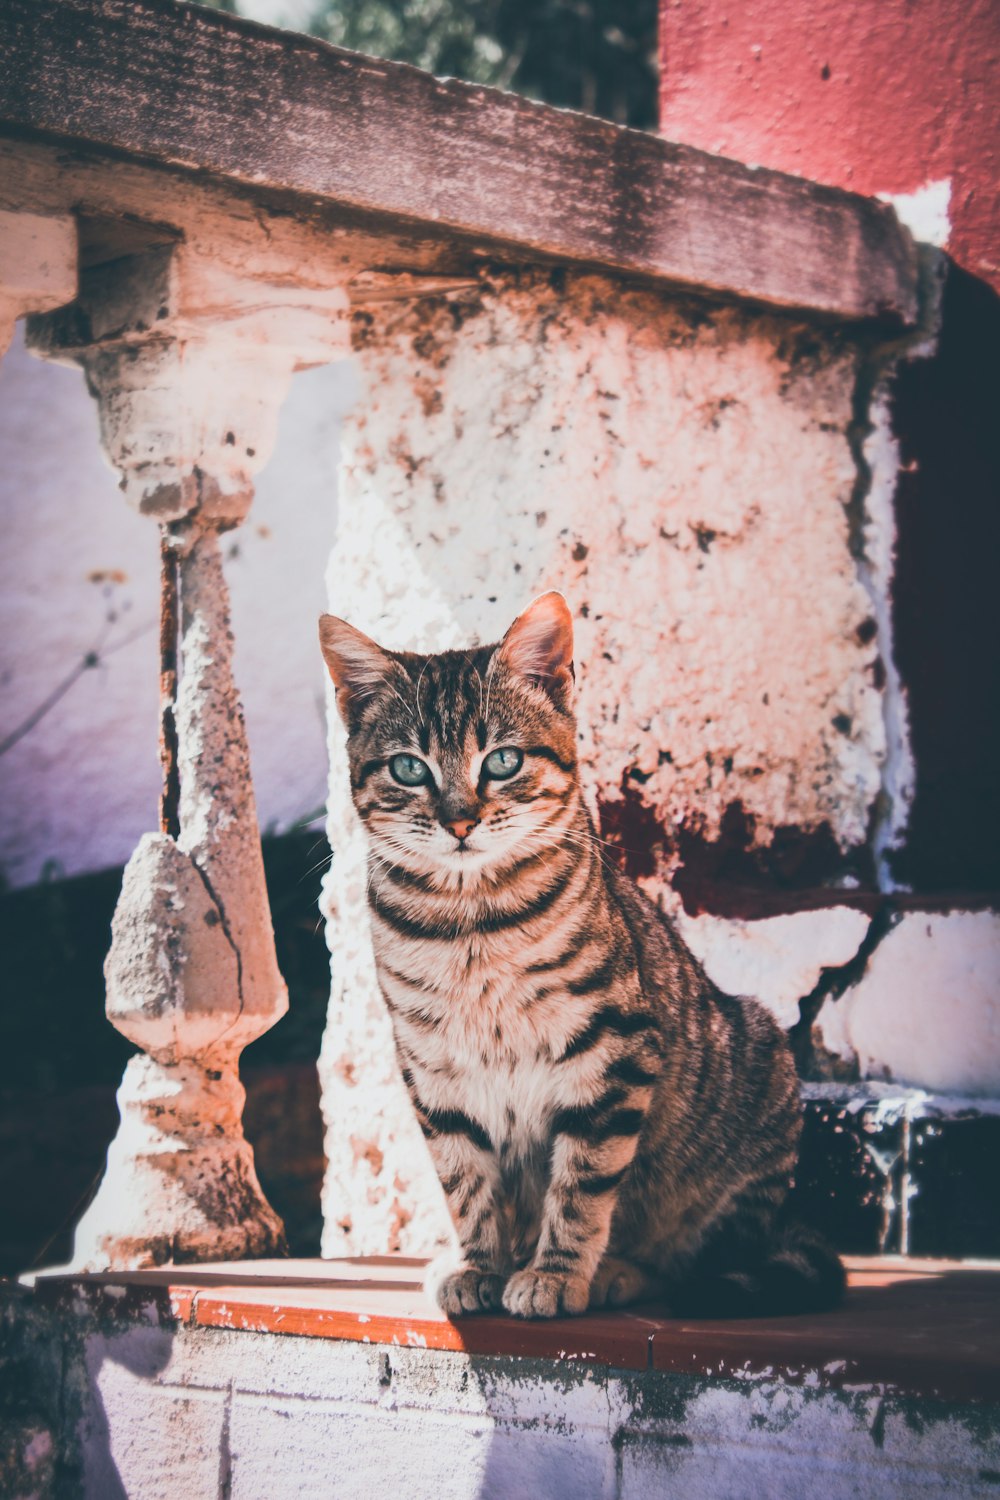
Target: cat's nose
<point>461,827</point>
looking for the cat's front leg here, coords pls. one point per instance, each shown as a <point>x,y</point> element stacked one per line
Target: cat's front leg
<point>592,1150</point>
<point>473,1281</point>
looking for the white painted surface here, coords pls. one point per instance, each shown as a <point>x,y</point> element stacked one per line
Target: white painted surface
<point>316,1419</point>
<point>79,572</point>
<point>777,960</point>
<point>37,266</point>
<point>927,1011</point>
<point>926,212</point>
<point>705,472</point>
<point>876,568</point>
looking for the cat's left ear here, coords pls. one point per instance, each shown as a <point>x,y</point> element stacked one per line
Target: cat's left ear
<point>539,647</point>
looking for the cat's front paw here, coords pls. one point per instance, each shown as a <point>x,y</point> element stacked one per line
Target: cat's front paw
<point>545,1294</point>
<point>464,1290</point>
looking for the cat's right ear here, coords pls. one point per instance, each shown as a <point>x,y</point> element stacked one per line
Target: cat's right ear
<point>539,646</point>
<point>357,664</point>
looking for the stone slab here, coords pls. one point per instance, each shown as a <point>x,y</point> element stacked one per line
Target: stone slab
<point>915,1327</point>
<point>389,143</point>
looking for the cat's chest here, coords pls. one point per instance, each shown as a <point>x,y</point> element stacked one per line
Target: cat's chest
<point>489,1050</point>
<point>512,1094</point>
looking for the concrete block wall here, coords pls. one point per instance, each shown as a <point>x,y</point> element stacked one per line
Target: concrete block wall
<point>157,1414</point>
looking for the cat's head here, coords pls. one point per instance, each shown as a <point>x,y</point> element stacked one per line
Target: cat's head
<point>462,762</point>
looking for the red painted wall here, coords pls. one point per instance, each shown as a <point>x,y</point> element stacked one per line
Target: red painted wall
<point>881,96</point>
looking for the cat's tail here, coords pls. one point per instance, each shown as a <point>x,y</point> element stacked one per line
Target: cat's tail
<point>797,1273</point>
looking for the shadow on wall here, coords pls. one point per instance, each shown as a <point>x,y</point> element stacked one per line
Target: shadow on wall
<point>946,599</point>
<point>61,1061</point>
<point>79,599</point>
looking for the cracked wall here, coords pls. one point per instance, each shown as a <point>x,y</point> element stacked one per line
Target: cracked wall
<point>688,478</point>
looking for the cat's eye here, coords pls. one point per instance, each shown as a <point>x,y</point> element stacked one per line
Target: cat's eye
<point>409,770</point>
<point>500,764</point>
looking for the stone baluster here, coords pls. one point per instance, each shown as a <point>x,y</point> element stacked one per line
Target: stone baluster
<point>189,363</point>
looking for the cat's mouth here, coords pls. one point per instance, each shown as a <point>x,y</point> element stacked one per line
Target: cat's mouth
<point>465,849</point>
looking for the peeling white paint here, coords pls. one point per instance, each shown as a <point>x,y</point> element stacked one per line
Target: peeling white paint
<point>160,1411</point>
<point>888,1102</point>
<point>881,453</point>
<point>777,960</point>
<point>925,212</point>
<point>927,1010</point>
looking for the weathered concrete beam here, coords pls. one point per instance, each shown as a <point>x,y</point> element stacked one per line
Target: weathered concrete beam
<point>37,266</point>
<point>391,145</point>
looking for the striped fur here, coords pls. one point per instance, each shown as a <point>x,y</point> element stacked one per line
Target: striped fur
<point>606,1124</point>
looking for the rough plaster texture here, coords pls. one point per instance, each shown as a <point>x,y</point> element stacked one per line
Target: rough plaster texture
<point>257,1415</point>
<point>192,978</point>
<point>190,416</point>
<point>880,96</point>
<point>685,478</point>
<point>927,1010</point>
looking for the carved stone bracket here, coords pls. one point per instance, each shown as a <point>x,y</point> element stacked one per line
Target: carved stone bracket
<point>189,365</point>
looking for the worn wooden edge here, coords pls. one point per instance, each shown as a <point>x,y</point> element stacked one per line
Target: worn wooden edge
<point>180,86</point>
<point>928,1329</point>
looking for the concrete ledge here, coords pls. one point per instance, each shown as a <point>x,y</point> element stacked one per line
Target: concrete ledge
<point>927,1328</point>
<point>171,1393</point>
<point>490,173</point>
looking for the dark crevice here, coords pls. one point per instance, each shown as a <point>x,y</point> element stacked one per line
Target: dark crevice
<point>946,605</point>
<point>225,1450</point>
<point>833,983</point>
<point>224,924</point>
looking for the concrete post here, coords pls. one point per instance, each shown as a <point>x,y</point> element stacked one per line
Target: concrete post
<point>189,365</point>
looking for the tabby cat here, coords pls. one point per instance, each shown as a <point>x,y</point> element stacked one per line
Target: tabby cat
<point>606,1124</point>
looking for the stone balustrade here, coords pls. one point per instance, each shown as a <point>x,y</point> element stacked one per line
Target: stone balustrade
<point>588,359</point>
<point>189,361</point>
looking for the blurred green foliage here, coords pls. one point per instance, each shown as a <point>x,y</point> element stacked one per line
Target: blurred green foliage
<point>599,56</point>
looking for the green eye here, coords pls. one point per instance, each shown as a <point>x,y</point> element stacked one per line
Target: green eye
<point>500,764</point>
<point>409,770</point>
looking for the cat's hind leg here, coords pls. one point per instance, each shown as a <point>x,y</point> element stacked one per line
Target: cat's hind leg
<point>618,1282</point>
